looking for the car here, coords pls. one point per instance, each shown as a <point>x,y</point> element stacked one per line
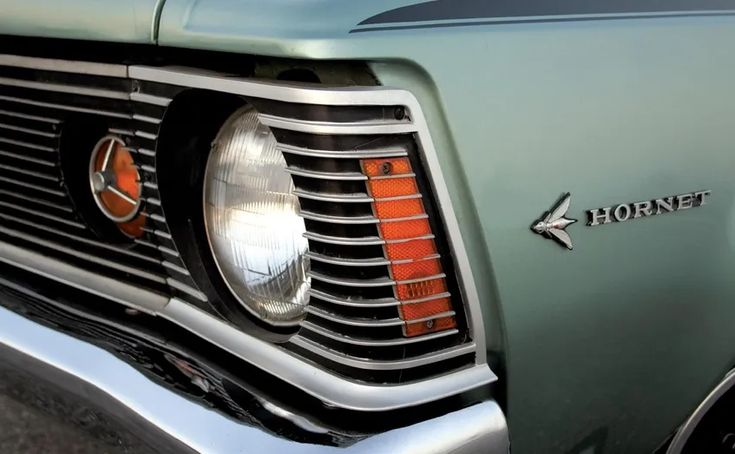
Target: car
<point>393,226</point>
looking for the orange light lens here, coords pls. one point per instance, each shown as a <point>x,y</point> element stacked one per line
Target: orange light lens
<point>421,289</point>
<point>405,229</point>
<point>417,250</point>
<point>430,326</point>
<point>383,167</point>
<point>392,187</point>
<point>417,311</point>
<point>394,209</point>
<point>134,228</point>
<point>126,179</point>
<point>416,270</point>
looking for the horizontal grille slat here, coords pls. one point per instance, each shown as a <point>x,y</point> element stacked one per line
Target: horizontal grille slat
<point>71,89</point>
<point>26,130</point>
<point>50,162</point>
<point>374,342</point>
<point>326,127</point>
<point>40,214</point>
<point>31,186</point>
<point>20,198</point>
<point>64,107</point>
<point>373,364</point>
<point>87,257</point>
<point>342,154</point>
<point>80,239</point>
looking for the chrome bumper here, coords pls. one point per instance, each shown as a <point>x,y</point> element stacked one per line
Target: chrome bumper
<point>153,411</point>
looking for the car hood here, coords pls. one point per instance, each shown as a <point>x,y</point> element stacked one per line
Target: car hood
<point>129,21</point>
<point>293,28</point>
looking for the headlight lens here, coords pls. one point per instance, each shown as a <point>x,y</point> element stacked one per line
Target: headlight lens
<point>252,222</point>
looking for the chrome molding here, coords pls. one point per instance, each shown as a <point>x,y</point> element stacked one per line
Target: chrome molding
<point>678,443</point>
<point>65,66</point>
<point>323,127</point>
<point>375,342</point>
<point>105,287</point>
<point>343,154</point>
<point>146,407</point>
<point>314,380</point>
<point>414,361</point>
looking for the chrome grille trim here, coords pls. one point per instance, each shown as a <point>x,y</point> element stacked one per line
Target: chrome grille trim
<point>376,261</point>
<point>32,186</point>
<point>57,106</point>
<point>50,217</point>
<point>367,323</point>
<point>338,219</point>
<point>84,256</point>
<point>28,130</point>
<point>343,154</point>
<point>27,158</point>
<point>20,143</point>
<point>354,302</point>
<point>375,342</point>
<point>60,206</point>
<point>323,127</point>
<point>84,91</point>
<point>67,66</point>
<point>373,323</point>
<point>333,389</point>
<point>345,176</point>
<point>323,385</point>
<point>29,117</point>
<point>339,198</point>
<point>373,364</point>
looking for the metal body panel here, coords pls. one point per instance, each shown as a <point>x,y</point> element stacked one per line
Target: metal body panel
<point>177,424</point>
<point>134,21</point>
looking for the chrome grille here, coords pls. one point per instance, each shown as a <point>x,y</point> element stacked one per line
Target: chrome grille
<point>37,108</point>
<point>353,321</point>
<point>349,351</point>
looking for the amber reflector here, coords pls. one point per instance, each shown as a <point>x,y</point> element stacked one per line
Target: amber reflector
<point>119,191</point>
<point>421,287</point>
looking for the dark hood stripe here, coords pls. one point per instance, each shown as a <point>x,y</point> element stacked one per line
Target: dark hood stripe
<point>440,10</point>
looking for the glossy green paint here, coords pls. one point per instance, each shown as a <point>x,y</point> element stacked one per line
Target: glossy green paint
<point>128,21</point>
<point>616,341</point>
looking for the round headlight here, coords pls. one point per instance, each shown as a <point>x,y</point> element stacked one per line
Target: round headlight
<point>252,222</point>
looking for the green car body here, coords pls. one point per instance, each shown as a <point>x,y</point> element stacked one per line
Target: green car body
<point>613,344</point>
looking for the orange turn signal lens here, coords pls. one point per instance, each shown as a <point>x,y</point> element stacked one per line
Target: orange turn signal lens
<point>384,167</point>
<point>416,290</point>
<point>393,209</point>
<point>416,270</point>
<point>415,311</point>
<point>419,278</point>
<point>405,229</point>
<point>429,326</point>
<point>416,249</point>
<point>393,187</point>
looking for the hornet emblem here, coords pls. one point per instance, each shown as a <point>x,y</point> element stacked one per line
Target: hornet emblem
<point>553,223</point>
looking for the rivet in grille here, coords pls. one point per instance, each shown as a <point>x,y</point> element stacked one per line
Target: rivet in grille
<point>399,113</point>
<point>386,168</point>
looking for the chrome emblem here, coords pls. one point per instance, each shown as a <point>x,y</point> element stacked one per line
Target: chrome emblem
<point>114,179</point>
<point>635,210</point>
<point>553,223</point>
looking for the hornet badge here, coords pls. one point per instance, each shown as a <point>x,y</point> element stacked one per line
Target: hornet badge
<point>553,223</point>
